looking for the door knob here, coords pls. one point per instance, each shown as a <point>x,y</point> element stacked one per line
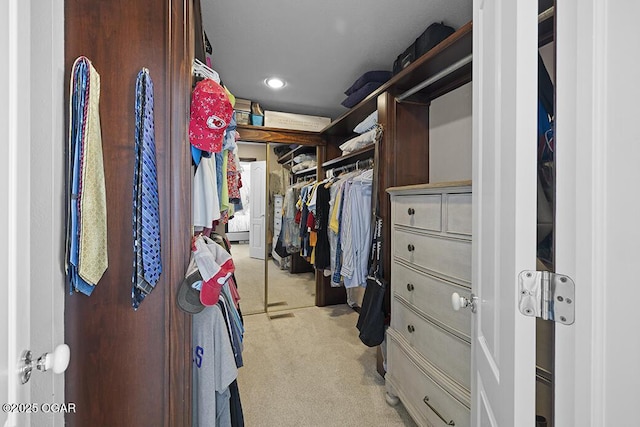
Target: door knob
<point>458,302</point>
<point>58,360</point>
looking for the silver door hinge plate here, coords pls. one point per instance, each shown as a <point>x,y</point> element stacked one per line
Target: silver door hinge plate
<point>547,295</point>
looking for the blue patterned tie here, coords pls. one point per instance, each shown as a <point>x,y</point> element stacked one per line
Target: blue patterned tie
<point>146,216</point>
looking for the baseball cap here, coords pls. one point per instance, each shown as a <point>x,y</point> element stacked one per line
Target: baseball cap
<point>188,296</point>
<point>211,113</point>
<point>222,268</point>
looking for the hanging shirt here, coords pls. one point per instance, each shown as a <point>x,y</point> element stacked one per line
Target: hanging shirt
<point>358,242</point>
<point>214,367</point>
<point>323,254</point>
<point>206,205</point>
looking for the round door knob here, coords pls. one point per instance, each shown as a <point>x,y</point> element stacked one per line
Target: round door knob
<point>58,360</point>
<point>411,211</point>
<point>411,329</point>
<point>410,287</point>
<point>411,248</point>
<point>457,301</point>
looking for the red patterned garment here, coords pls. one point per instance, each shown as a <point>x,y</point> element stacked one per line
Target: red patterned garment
<point>233,178</point>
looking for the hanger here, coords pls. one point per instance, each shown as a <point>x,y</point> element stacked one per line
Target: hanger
<point>202,70</point>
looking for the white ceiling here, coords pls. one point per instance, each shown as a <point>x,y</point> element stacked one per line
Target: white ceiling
<point>319,47</point>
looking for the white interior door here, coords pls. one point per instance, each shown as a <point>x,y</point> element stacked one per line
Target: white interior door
<point>14,191</point>
<point>504,209</point>
<point>32,219</point>
<point>257,199</point>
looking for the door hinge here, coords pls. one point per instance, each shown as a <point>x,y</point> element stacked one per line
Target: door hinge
<point>547,295</point>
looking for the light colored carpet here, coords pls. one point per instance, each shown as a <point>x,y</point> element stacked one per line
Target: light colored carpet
<point>312,370</point>
<point>286,290</point>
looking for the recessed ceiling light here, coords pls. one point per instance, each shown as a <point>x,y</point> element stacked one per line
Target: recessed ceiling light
<point>275,83</point>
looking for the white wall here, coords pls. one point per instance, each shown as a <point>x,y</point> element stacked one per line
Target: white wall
<point>450,136</point>
<point>252,150</point>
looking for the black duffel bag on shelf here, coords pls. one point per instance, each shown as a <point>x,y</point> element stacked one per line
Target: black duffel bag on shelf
<point>433,35</point>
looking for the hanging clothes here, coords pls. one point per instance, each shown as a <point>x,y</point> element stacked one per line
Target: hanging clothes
<point>348,230</point>
<point>323,250</point>
<point>206,202</point>
<point>214,369</point>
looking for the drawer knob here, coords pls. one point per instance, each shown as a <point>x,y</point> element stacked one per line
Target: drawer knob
<point>411,248</point>
<point>411,211</point>
<point>410,287</point>
<point>411,329</point>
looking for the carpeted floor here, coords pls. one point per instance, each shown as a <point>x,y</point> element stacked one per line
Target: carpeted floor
<point>307,367</point>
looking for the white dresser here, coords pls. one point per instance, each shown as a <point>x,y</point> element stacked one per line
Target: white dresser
<point>428,343</point>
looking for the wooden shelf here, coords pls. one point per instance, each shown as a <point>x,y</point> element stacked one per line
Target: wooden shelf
<point>363,153</point>
<point>449,51</point>
<point>301,149</point>
<point>285,136</point>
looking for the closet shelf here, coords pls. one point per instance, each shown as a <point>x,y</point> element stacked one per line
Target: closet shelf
<point>313,169</point>
<point>449,51</point>
<point>301,149</point>
<point>363,153</point>
<point>250,133</point>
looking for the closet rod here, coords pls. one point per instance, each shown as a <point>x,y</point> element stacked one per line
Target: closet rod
<point>546,14</point>
<point>459,64</point>
<point>450,69</point>
<point>366,163</point>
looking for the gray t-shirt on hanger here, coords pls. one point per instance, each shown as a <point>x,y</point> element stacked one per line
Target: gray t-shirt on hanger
<point>214,369</point>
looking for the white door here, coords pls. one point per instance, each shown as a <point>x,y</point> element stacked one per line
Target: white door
<point>504,209</point>
<point>31,220</point>
<point>257,201</point>
<point>15,287</point>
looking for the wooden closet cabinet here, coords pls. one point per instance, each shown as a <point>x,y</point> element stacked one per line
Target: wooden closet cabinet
<point>402,156</point>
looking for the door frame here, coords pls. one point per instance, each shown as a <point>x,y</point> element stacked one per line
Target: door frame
<point>596,372</point>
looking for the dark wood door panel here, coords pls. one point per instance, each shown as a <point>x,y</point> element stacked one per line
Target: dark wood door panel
<point>133,367</point>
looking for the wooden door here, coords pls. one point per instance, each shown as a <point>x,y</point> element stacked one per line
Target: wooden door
<point>133,367</point>
<point>504,209</point>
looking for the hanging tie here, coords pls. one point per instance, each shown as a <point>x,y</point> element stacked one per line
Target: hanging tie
<point>86,241</point>
<point>146,216</point>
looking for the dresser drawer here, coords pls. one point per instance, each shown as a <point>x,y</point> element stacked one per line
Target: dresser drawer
<point>449,353</point>
<point>448,257</point>
<point>431,296</point>
<point>458,215</point>
<point>423,211</point>
<point>413,386</point>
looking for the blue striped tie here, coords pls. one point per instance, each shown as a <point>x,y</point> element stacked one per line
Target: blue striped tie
<point>146,220</point>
